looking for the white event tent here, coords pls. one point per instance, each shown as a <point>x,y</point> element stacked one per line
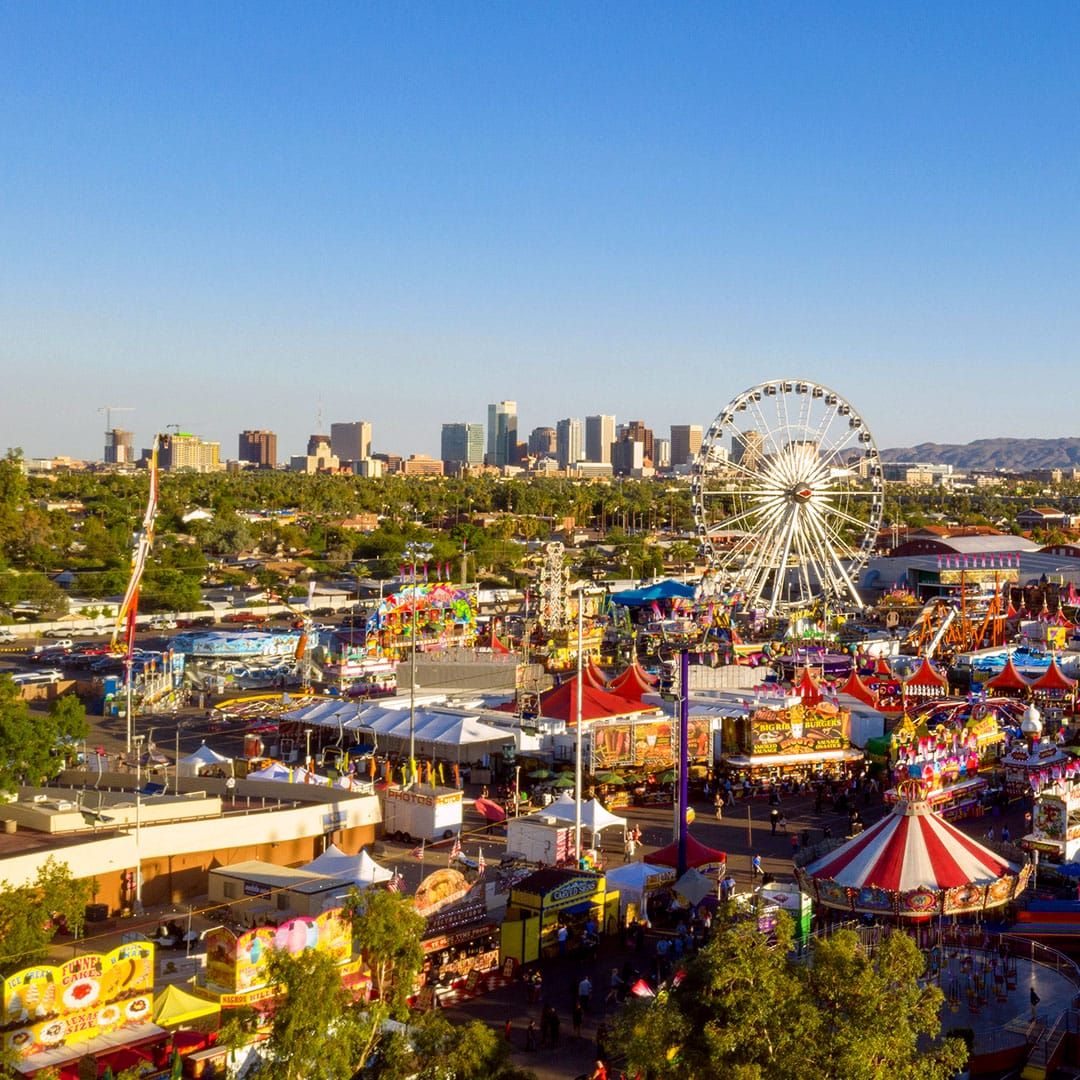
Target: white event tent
<point>360,869</point>
<point>203,758</point>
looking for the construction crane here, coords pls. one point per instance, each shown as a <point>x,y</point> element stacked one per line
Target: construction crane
<point>108,410</point>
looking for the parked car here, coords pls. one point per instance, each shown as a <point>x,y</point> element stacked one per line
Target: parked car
<point>31,678</point>
<point>64,644</point>
<point>58,633</point>
<point>6,635</point>
<point>251,617</point>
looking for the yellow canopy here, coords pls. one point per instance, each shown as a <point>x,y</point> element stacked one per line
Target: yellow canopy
<point>174,1006</point>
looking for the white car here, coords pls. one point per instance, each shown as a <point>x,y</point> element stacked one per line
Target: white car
<point>60,642</point>
<point>7,636</point>
<point>31,678</point>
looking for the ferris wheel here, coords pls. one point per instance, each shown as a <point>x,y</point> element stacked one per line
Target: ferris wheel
<point>787,492</point>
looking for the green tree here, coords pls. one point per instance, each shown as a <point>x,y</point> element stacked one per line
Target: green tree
<point>747,1010</point>
<point>67,718</point>
<point>30,914</point>
<point>387,930</point>
<point>434,1049</point>
<point>316,1033</point>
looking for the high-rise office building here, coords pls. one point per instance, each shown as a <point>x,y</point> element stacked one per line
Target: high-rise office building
<point>599,435</point>
<point>184,451</point>
<point>662,450</point>
<point>627,455</point>
<point>258,448</point>
<point>119,447</point>
<point>319,445</point>
<point>569,445</point>
<point>351,441</point>
<point>685,443</point>
<point>463,444</point>
<point>502,433</point>
<point>637,431</point>
<point>542,442</point>
<point>747,450</point>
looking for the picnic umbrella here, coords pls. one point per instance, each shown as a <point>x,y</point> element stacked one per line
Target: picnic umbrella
<point>609,778</point>
<point>668,777</point>
<point>540,774</point>
<point>564,782</point>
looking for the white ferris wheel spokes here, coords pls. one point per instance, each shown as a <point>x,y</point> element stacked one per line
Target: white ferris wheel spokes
<point>788,496</point>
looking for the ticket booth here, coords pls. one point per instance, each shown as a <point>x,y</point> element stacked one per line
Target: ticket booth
<point>548,899</point>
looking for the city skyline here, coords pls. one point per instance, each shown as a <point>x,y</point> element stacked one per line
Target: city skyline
<point>232,220</point>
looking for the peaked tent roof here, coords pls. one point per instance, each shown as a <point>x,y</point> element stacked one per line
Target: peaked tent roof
<point>360,869</point>
<point>927,675</point>
<point>561,703</point>
<point>856,688</point>
<point>594,816</point>
<point>1008,678</point>
<point>633,683</point>
<point>1053,678</point>
<point>649,594</point>
<point>882,669</point>
<point>697,854</point>
<point>175,1006</point>
<point>633,875</point>
<point>807,689</point>
<point>594,675</point>
<point>910,849</point>
<point>205,756</point>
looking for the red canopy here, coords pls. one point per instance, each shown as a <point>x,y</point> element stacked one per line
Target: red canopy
<point>697,854</point>
<point>594,675</point>
<point>808,689</point>
<point>633,683</point>
<point>857,689</point>
<point>496,644</point>
<point>882,669</point>
<point>927,675</point>
<point>1053,678</point>
<point>1008,678</point>
<point>561,703</point>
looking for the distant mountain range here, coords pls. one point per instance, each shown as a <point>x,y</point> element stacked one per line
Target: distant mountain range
<point>1019,455</point>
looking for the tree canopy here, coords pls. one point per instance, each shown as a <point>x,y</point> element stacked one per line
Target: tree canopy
<point>745,1009</point>
<point>32,745</point>
<point>31,914</point>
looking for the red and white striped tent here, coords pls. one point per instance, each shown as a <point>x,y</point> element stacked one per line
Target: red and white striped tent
<point>912,863</point>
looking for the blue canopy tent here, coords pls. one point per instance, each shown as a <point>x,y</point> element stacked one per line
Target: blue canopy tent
<point>650,594</point>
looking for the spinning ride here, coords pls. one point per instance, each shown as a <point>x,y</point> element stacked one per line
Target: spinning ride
<point>787,492</point>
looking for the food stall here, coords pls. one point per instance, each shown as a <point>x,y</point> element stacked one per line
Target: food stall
<point>1055,825</point>
<point>547,899</point>
<point>790,737</point>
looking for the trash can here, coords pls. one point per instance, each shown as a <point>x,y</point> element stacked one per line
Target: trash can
<point>10,826</point>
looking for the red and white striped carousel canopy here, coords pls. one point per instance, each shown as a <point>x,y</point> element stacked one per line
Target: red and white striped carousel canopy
<point>911,848</point>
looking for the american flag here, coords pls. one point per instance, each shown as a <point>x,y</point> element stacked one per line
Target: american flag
<point>395,883</point>
<point>481,866</point>
<point>455,851</point>
<point>418,852</point>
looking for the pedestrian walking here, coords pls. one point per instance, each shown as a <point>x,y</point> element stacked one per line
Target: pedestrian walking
<point>507,1029</point>
<point>577,1014</point>
<point>774,819</point>
<point>530,1036</point>
<point>794,845</point>
<point>562,937</point>
<point>755,866</point>
<point>782,822</point>
<point>584,991</point>
<point>990,834</point>
<point>729,793</point>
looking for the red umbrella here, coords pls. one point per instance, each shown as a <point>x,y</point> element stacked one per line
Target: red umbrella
<point>492,811</point>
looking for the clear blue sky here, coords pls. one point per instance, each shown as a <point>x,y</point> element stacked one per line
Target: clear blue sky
<point>222,214</point>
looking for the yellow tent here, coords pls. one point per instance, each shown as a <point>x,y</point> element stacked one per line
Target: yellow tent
<point>174,1006</point>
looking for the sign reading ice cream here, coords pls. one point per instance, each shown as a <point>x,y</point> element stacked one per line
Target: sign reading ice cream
<point>90,995</point>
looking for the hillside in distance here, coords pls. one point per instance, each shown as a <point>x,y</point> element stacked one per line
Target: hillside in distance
<point>1019,455</point>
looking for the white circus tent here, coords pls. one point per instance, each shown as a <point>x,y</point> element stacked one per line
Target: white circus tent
<point>203,758</point>
<point>360,869</point>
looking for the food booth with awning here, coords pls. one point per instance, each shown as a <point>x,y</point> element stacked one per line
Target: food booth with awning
<point>540,903</point>
<point>788,737</point>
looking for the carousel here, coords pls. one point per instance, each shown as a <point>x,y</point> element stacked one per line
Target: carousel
<point>912,864</point>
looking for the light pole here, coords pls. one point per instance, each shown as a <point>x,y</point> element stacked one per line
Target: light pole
<point>413,550</point>
<point>137,905</point>
<point>577,715</point>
